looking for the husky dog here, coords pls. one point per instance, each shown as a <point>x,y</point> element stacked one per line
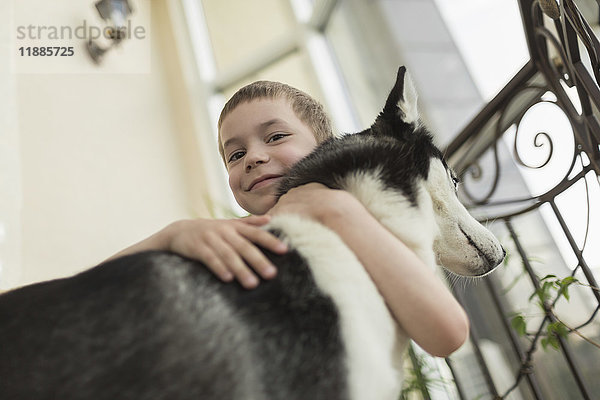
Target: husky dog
<point>154,325</point>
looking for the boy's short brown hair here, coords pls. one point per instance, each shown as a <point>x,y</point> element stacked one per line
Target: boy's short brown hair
<point>307,109</point>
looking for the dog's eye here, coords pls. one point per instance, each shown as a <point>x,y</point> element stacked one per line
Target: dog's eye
<point>455,182</point>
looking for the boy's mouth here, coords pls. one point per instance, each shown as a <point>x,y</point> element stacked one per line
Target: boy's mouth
<point>262,181</point>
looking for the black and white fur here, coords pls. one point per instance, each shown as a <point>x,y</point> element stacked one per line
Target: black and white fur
<point>155,325</point>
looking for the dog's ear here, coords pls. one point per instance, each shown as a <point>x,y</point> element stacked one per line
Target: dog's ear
<point>402,101</point>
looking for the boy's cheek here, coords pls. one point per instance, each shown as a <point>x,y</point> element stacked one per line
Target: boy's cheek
<point>232,181</point>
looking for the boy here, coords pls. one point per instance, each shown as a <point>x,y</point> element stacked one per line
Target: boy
<point>264,129</point>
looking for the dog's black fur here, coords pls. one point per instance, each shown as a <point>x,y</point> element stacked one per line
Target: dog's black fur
<point>140,327</point>
<point>155,325</point>
<point>369,150</point>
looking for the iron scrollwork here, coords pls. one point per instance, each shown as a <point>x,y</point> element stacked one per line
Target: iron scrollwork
<point>563,79</point>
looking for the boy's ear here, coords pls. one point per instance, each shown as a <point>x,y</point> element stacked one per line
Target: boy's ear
<point>402,100</point>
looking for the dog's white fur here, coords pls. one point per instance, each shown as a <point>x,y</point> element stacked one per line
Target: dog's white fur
<point>372,339</point>
<point>416,227</point>
<point>408,104</point>
<point>457,226</point>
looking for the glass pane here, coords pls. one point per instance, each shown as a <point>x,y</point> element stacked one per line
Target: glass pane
<point>238,29</point>
<point>350,45</point>
<point>490,37</point>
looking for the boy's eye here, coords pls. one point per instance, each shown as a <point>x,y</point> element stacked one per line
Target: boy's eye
<point>276,137</point>
<point>235,156</point>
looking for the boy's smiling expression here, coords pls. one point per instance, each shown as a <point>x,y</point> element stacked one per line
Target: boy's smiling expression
<point>262,139</point>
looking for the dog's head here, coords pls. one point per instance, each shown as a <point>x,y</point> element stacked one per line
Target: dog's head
<point>461,244</point>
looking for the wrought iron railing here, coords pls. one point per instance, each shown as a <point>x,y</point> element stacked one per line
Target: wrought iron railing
<point>553,353</point>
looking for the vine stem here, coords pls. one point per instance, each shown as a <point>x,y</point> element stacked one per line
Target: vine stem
<point>594,288</point>
<point>590,341</point>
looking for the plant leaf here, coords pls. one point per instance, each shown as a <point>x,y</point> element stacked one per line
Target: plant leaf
<point>519,325</point>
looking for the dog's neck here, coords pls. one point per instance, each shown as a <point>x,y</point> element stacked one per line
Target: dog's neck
<point>413,224</point>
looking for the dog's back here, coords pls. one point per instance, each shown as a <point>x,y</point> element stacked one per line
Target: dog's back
<point>157,326</point>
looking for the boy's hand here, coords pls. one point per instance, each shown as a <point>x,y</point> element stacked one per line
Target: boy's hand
<point>316,201</point>
<point>228,247</point>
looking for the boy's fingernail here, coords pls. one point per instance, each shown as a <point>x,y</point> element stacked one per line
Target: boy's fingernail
<point>227,276</point>
<point>270,271</point>
<point>282,246</point>
<point>251,281</point>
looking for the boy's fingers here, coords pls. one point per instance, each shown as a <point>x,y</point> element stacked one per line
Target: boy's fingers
<point>233,263</point>
<point>264,239</point>
<point>253,256</point>
<point>214,263</point>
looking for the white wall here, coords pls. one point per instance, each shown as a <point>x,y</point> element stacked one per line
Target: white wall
<point>10,178</point>
<point>101,160</point>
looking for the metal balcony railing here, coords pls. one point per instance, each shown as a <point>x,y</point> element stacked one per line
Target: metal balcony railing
<point>535,332</point>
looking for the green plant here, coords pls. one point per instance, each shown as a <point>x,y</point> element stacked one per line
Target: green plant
<point>550,290</point>
<point>419,378</point>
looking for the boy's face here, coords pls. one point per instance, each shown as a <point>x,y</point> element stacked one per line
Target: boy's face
<point>261,140</point>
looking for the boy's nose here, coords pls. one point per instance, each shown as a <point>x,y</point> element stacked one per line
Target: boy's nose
<point>252,160</point>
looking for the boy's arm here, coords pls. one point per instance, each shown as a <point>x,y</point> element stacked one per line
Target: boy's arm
<point>226,247</point>
<point>419,301</point>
